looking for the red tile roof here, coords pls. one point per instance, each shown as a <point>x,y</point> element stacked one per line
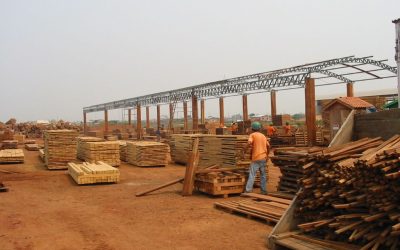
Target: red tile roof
<point>351,102</point>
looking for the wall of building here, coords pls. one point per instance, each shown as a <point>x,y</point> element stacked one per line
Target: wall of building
<point>384,124</point>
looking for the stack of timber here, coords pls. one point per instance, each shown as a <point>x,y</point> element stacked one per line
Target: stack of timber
<point>32,147</point>
<point>59,148</point>
<point>20,138</point>
<point>81,140</point>
<point>219,181</point>
<point>122,150</point>
<point>105,151</point>
<point>351,194</point>
<point>11,156</point>
<point>30,141</point>
<point>181,145</point>
<point>301,138</point>
<point>9,144</point>
<point>147,153</point>
<point>90,173</point>
<point>294,164</point>
<point>265,207</point>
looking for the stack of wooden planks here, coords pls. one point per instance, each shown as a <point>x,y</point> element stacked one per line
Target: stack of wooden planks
<point>59,147</point>
<point>82,139</point>
<point>181,146</point>
<point>122,150</point>
<point>351,194</point>
<point>147,153</point>
<point>20,138</point>
<point>30,141</point>
<point>11,156</point>
<point>219,181</point>
<point>32,147</point>
<point>9,144</point>
<point>105,151</point>
<point>90,173</point>
<point>291,162</point>
<point>265,207</point>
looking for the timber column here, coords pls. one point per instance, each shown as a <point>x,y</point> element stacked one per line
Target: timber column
<point>185,116</point>
<point>273,104</point>
<point>129,117</point>
<point>202,112</point>
<point>171,116</point>
<point>245,111</point>
<point>147,117</point>
<point>84,123</point>
<point>221,112</point>
<point>106,122</point>
<point>350,89</point>
<point>158,117</point>
<point>139,122</point>
<point>195,113</point>
<point>310,111</point>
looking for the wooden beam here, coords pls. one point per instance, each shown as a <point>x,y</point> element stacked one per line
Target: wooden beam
<point>139,122</point>
<point>245,110</point>
<point>129,116</point>
<point>195,114</point>
<point>158,117</point>
<point>147,117</point>
<point>105,122</point>
<point>84,123</point>
<point>202,112</point>
<point>159,187</point>
<point>221,112</point>
<point>188,183</point>
<point>350,89</point>
<point>310,111</point>
<point>185,115</point>
<point>273,104</point>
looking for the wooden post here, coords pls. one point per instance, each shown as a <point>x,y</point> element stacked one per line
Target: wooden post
<point>84,123</point>
<point>147,117</point>
<point>245,111</point>
<point>195,114</point>
<point>202,112</point>
<point>273,104</point>
<point>185,115</point>
<point>350,90</point>
<point>139,122</point>
<point>158,117</point>
<point>171,116</point>
<point>129,117</point>
<point>221,112</point>
<point>310,111</point>
<point>105,122</point>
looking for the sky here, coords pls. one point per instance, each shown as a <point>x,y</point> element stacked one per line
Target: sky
<point>57,57</point>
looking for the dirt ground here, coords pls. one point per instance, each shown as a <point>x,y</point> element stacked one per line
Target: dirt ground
<point>47,210</point>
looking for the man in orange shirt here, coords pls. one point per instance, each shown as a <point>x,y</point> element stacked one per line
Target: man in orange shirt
<point>288,129</point>
<point>271,130</point>
<point>259,156</point>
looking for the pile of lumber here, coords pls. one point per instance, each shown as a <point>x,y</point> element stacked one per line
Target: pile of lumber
<point>351,194</point>
<point>181,145</point>
<point>30,141</point>
<point>122,150</point>
<point>32,147</point>
<point>265,207</point>
<point>9,144</point>
<point>147,153</point>
<point>105,151</point>
<point>90,173</point>
<point>291,162</point>
<point>11,156</point>
<point>217,181</point>
<point>82,139</point>
<point>20,138</point>
<point>59,148</point>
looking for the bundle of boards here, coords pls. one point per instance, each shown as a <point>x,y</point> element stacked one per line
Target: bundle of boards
<point>105,151</point>
<point>147,153</point>
<point>350,193</point>
<point>223,150</point>
<point>9,144</point>
<point>80,151</point>
<point>11,156</point>
<point>59,148</point>
<point>90,173</point>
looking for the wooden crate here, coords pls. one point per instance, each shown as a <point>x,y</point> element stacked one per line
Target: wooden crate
<point>216,185</point>
<point>89,173</point>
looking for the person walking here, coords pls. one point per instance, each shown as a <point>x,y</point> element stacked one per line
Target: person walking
<point>259,155</point>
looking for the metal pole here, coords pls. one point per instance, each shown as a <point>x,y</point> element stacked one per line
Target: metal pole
<point>397,58</point>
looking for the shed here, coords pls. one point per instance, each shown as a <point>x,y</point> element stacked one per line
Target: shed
<point>335,112</point>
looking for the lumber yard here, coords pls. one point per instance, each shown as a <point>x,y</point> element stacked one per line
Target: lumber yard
<point>166,174</point>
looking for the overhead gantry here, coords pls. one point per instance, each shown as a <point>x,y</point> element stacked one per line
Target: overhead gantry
<point>340,70</point>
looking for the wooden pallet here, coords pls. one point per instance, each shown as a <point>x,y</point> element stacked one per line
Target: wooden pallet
<point>89,173</point>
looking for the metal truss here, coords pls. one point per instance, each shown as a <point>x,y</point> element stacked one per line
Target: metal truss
<point>286,78</point>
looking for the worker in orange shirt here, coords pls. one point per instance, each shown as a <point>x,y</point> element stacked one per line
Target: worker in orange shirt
<point>234,128</point>
<point>271,130</point>
<point>259,156</point>
<point>288,129</point>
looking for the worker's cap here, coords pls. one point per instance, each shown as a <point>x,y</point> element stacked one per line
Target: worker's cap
<point>256,126</point>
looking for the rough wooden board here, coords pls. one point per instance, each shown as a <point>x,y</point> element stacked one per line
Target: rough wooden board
<point>188,183</point>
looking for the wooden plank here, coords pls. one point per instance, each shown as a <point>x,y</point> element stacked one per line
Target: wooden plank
<point>188,183</point>
<point>159,187</point>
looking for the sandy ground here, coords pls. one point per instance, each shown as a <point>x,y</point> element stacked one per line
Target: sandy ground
<point>47,210</point>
